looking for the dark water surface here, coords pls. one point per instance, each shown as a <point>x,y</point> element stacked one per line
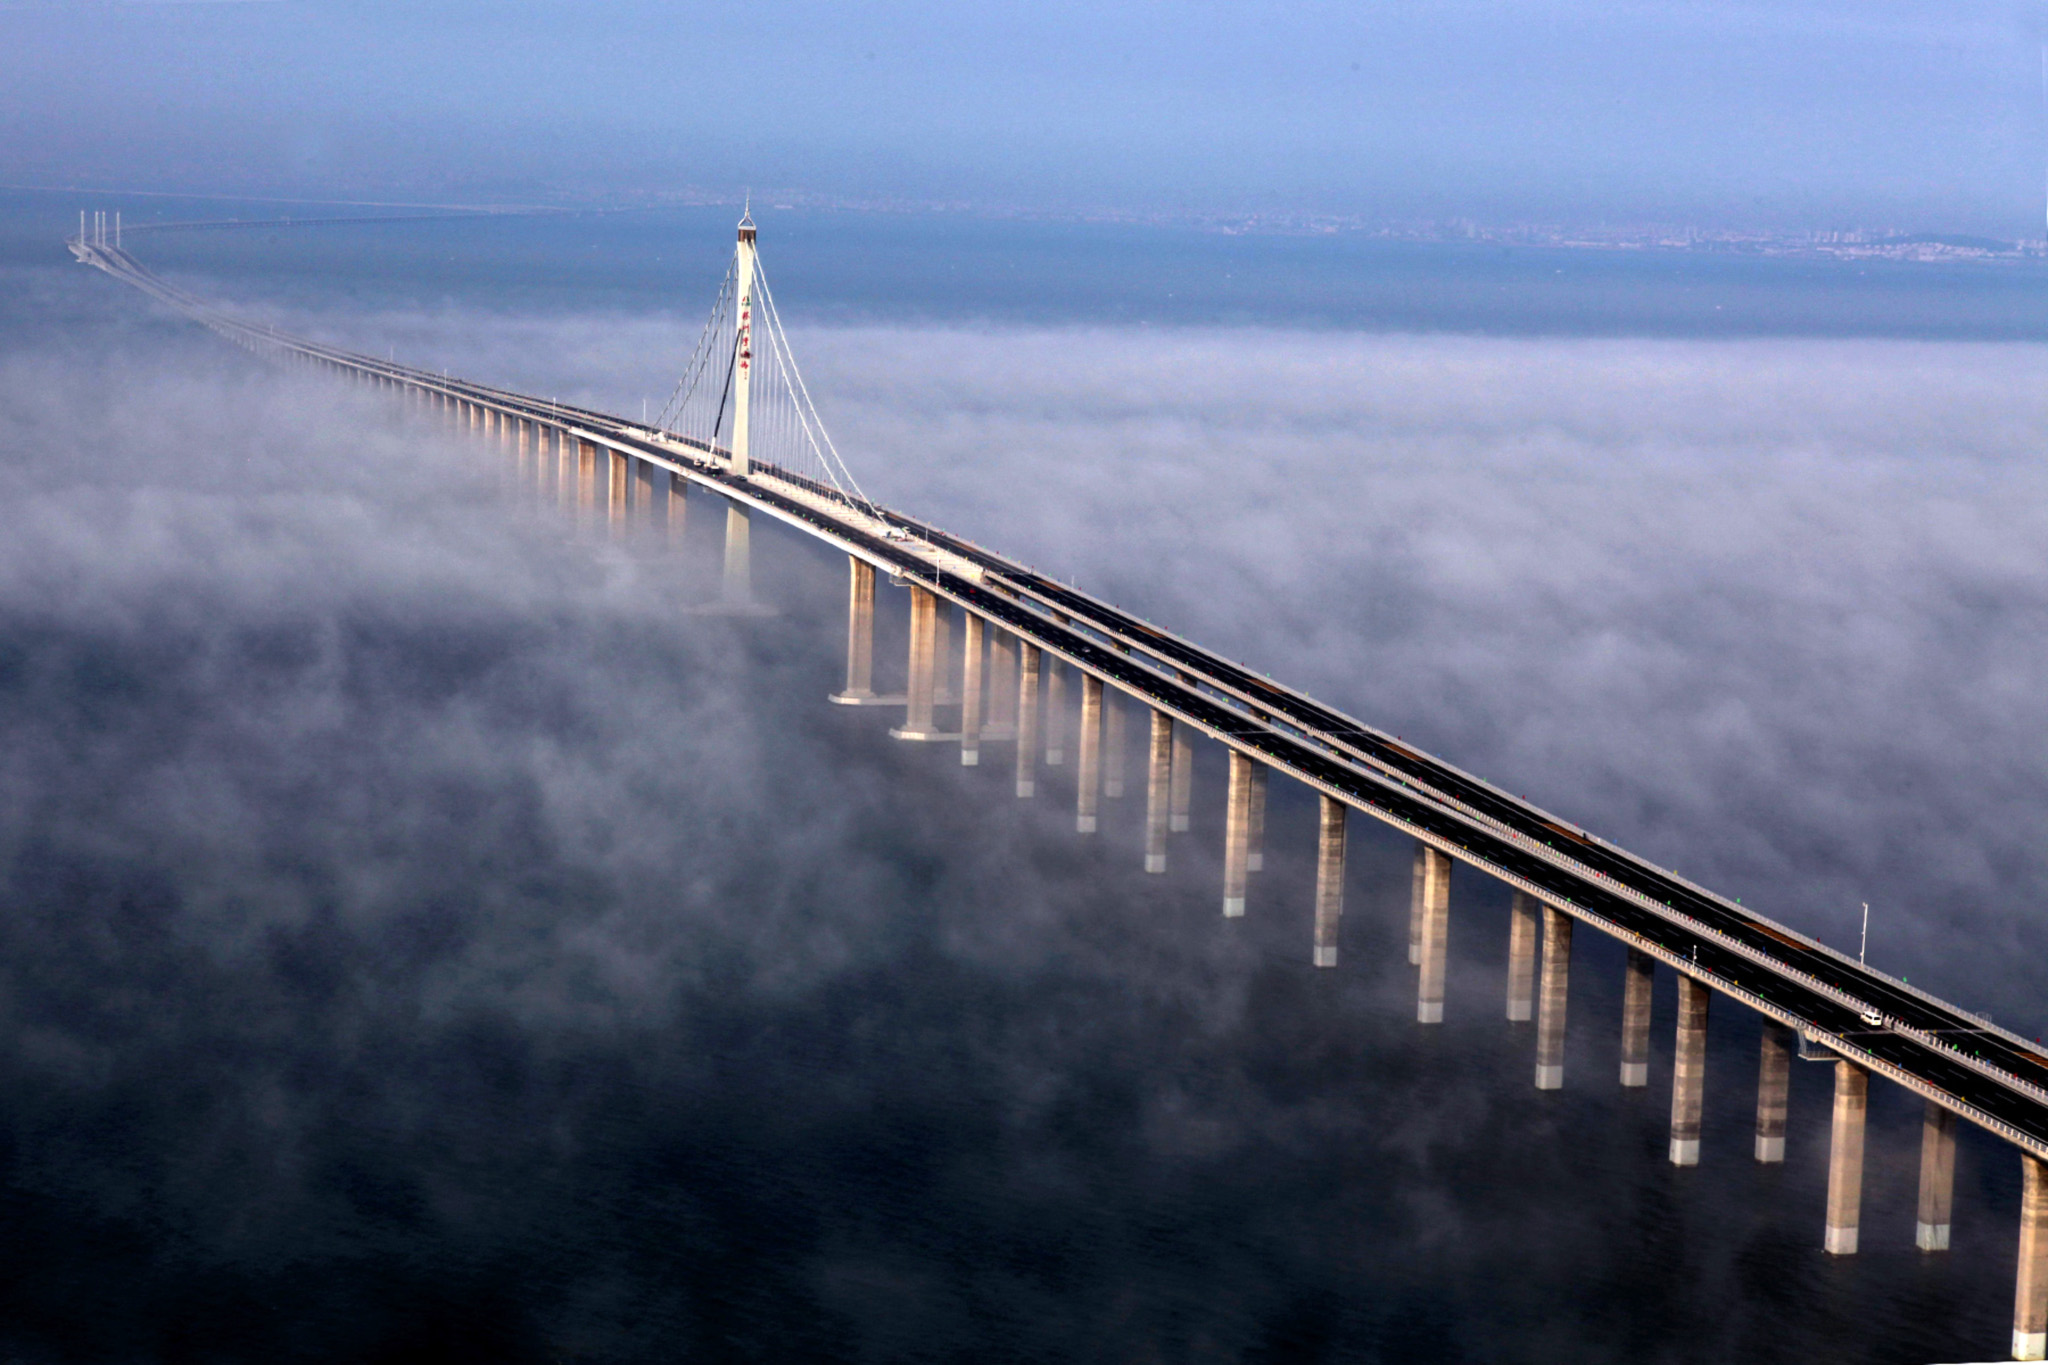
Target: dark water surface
<point>427,941</point>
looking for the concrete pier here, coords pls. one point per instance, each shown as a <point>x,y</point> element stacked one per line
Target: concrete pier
<point>568,458</point>
<point>943,691</point>
<point>1113,747</point>
<point>1330,849</point>
<point>921,696</point>
<point>1027,720</point>
<point>1638,979</point>
<point>1937,1178</point>
<point>1434,947</point>
<point>737,586</point>
<point>1417,875</point>
<point>970,689</point>
<point>650,498</point>
<point>678,519</point>
<point>860,634</point>
<point>1522,918</point>
<point>1002,686</point>
<point>1055,714</point>
<point>2030,1289</point>
<point>1773,1092</point>
<point>1183,777</point>
<point>1088,747</point>
<point>1845,1159</point>
<point>620,479</point>
<point>586,484</point>
<point>1255,838</point>
<point>1689,1071</point>
<point>1237,813</point>
<point>1552,997</point>
<point>1158,790</point>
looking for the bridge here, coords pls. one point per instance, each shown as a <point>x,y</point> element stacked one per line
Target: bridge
<point>741,426</point>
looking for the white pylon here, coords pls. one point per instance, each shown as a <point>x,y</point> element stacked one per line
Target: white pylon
<point>743,354</point>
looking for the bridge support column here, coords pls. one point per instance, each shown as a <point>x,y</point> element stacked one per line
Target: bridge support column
<point>1689,1072</point>
<point>678,517</point>
<point>1002,685</point>
<point>1773,1092</point>
<point>1158,793</point>
<point>568,459</point>
<point>1937,1178</point>
<point>1055,714</point>
<point>1027,719</point>
<point>1088,764</point>
<point>1113,708</point>
<point>1845,1159</point>
<point>1522,916</point>
<point>1183,777</point>
<point>1418,874</point>
<point>543,462</point>
<point>1237,819</point>
<point>970,689</point>
<point>919,721</point>
<point>519,425</point>
<point>650,507</point>
<point>1436,928</point>
<point>1639,978</point>
<point>738,583</point>
<point>586,484</point>
<point>1255,833</point>
<point>2030,1292</point>
<point>1552,998</point>
<point>860,634</point>
<point>1330,849</point>
<point>618,488</point>
<point>943,691</point>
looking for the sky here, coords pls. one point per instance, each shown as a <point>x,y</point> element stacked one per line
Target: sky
<point>1909,114</point>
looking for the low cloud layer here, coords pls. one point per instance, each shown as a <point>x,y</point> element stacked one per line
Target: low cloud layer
<point>1767,612</point>
<point>419,924</point>
<point>1770,613</point>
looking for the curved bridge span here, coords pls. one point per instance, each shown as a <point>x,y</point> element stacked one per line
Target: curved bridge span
<point>1823,1004</point>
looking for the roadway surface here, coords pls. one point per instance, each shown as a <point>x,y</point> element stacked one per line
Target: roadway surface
<point>1987,1075</point>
